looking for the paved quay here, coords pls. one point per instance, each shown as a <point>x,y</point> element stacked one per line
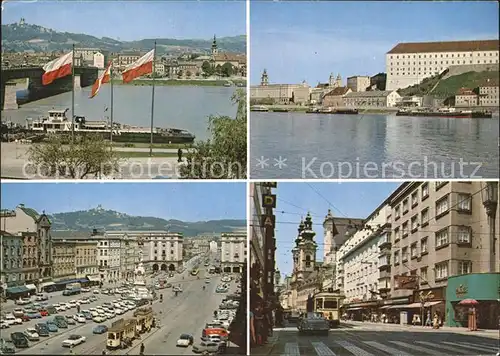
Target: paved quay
<point>15,165</point>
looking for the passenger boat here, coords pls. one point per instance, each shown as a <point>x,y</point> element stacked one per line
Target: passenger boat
<point>56,122</point>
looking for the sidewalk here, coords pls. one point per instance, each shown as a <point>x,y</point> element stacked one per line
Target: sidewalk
<point>410,328</point>
<point>266,349</point>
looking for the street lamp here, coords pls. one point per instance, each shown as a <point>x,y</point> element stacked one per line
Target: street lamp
<point>490,201</point>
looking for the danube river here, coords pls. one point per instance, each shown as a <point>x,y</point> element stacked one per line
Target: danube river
<point>315,146</point>
<point>184,107</point>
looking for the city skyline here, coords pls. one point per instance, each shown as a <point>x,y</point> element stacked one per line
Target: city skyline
<point>349,46</point>
<point>295,200</point>
<point>192,20</point>
<point>199,201</point>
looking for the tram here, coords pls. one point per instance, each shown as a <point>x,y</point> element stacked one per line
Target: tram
<point>328,304</point>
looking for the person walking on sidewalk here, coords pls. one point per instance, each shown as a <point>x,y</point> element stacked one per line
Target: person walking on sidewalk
<point>428,321</point>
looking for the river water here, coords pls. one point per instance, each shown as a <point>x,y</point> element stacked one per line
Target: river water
<point>185,107</point>
<point>312,146</point>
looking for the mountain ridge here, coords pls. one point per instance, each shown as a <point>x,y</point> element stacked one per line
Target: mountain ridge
<point>22,37</point>
<point>111,220</point>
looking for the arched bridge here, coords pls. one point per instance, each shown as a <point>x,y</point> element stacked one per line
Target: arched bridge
<point>84,76</point>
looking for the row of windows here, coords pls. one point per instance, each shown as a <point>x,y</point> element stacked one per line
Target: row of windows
<point>441,55</point>
<point>446,62</point>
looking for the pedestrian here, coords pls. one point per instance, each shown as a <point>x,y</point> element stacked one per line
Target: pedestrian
<point>179,155</point>
<point>141,352</point>
<point>428,321</point>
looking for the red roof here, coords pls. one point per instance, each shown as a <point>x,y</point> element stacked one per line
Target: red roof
<point>453,46</point>
<point>338,91</point>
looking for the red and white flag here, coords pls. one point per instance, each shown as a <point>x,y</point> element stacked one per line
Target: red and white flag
<point>142,66</point>
<point>105,77</point>
<point>57,68</point>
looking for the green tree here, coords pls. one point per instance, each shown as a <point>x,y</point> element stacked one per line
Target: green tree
<point>189,74</point>
<point>227,69</point>
<point>224,155</point>
<point>89,156</point>
<point>180,73</point>
<point>207,68</point>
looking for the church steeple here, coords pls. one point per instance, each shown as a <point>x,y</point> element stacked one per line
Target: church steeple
<point>215,51</point>
<point>308,233</point>
<point>264,79</point>
<point>299,234</point>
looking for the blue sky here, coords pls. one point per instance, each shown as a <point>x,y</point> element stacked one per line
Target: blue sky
<point>353,200</point>
<point>183,201</point>
<point>298,41</point>
<point>134,21</point>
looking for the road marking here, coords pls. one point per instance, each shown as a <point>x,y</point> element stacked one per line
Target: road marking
<point>389,350</point>
<point>473,346</point>
<point>413,347</point>
<point>322,350</point>
<point>441,346</point>
<point>291,349</point>
<point>356,351</point>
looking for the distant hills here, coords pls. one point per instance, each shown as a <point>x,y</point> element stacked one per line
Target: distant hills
<point>110,220</point>
<point>22,37</point>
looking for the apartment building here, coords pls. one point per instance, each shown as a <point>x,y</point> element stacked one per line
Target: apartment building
<point>359,257</point>
<point>86,259</point>
<point>489,94</point>
<point>35,229</point>
<point>162,250</point>
<point>439,230</point>
<point>11,265</point>
<point>63,253</point>
<point>233,251</point>
<point>409,63</point>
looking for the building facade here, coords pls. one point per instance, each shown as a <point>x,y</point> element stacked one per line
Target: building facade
<point>377,99</point>
<point>408,64</point>
<point>280,93</point>
<point>64,256</point>
<point>489,95</point>
<point>162,250</point>
<point>35,229</point>
<point>335,97</point>
<point>233,251</point>
<point>98,60</point>
<point>11,250</point>
<point>358,83</point>
<point>86,259</point>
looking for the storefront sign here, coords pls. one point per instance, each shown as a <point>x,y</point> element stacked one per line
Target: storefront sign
<point>269,201</point>
<point>268,221</point>
<point>406,282</point>
<point>461,291</point>
<point>270,184</point>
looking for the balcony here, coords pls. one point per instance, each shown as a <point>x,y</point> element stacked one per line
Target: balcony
<point>385,243</point>
<point>384,262</point>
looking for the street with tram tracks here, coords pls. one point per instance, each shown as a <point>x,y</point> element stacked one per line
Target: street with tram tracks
<point>184,313</point>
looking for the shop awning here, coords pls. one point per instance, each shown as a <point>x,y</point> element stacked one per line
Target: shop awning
<point>31,286</point>
<point>17,290</point>
<point>385,307</point>
<point>46,284</point>
<point>358,308</point>
<point>430,304</point>
<point>414,305</point>
<point>95,278</point>
<point>402,306</point>
<point>83,280</point>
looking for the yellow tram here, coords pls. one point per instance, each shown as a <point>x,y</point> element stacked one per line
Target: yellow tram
<point>328,304</point>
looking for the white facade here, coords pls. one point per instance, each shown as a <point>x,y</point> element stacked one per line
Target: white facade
<point>409,63</point>
<point>213,246</point>
<point>108,256</point>
<point>374,99</point>
<point>360,257</point>
<point>162,250</point>
<point>233,251</point>
<point>98,60</point>
<point>358,83</point>
<point>488,95</point>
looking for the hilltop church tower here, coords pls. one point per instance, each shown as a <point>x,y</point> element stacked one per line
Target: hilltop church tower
<point>264,80</point>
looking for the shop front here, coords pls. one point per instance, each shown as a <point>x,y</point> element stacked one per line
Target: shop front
<point>390,310</point>
<point>361,311</point>
<point>477,292</point>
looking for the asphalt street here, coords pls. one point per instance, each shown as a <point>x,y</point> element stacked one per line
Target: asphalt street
<point>355,342</point>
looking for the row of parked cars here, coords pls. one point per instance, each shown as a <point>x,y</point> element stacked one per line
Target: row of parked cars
<point>98,314</point>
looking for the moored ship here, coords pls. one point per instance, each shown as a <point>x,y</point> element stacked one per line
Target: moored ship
<point>57,123</point>
<point>446,112</point>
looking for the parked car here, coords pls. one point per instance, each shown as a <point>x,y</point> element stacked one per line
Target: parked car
<point>19,340</point>
<point>52,327</point>
<point>206,346</point>
<point>42,329</point>
<point>31,334</point>
<point>40,297</point>
<point>12,319</point>
<point>7,347</point>
<point>185,340</point>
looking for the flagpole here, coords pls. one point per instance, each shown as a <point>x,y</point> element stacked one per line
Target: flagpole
<point>152,103</point>
<point>111,113</point>
<point>73,95</point>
